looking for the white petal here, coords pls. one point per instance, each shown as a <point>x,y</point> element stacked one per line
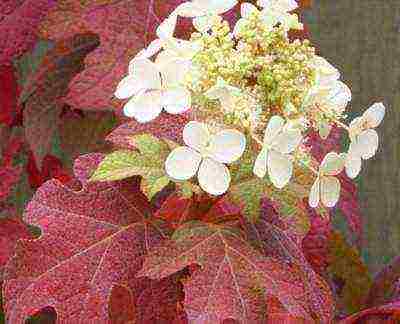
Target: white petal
<point>326,72</point>
<point>153,48</point>
<point>196,135</point>
<point>176,100</point>
<point>313,199</point>
<point>182,163</point>
<point>167,27</point>
<point>367,143</point>
<point>128,87</point>
<point>146,73</point>
<point>221,6</point>
<point>214,177</point>
<point>275,125</point>
<point>227,146</point>
<point>203,23</point>
<point>280,168</point>
<point>374,114</point>
<point>287,141</point>
<point>330,191</point>
<point>190,9</point>
<point>173,72</point>
<point>246,9</point>
<point>339,96</point>
<point>332,164</point>
<point>260,165</point>
<point>239,26</point>
<point>144,107</point>
<point>352,165</point>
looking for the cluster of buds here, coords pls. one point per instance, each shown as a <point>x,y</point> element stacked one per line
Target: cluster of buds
<point>247,84</point>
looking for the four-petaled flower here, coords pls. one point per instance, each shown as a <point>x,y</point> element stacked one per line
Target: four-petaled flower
<point>327,187</point>
<point>364,139</point>
<point>204,12</point>
<point>154,86</point>
<point>279,142</point>
<point>206,155</point>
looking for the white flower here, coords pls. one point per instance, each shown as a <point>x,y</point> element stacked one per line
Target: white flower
<point>204,11</point>
<point>277,11</point>
<point>325,71</point>
<point>205,154</point>
<point>173,47</point>
<point>279,141</point>
<point>225,93</point>
<point>246,9</point>
<point>154,87</point>
<point>327,187</point>
<point>364,139</point>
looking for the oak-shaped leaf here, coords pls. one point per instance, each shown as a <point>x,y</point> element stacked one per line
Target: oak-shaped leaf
<point>384,314</point>
<point>11,230</point>
<point>125,27</point>
<point>93,238</point>
<point>44,90</point>
<point>18,24</point>
<point>9,93</point>
<point>233,279</point>
<point>276,236</point>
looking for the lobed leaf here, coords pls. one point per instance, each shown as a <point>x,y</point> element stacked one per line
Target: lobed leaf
<point>231,271</point>
<point>92,239</point>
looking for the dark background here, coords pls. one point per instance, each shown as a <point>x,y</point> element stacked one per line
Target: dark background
<point>362,38</point>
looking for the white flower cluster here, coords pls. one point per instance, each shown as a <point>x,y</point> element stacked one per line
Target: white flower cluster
<point>288,90</point>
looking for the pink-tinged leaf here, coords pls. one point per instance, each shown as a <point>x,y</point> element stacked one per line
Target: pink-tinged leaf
<point>175,210</point>
<point>385,285</point>
<point>18,26</point>
<point>92,239</point>
<point>275,236</point>
<point>165,126</point>
<point>9,177</point>
<point>385,314</point>
<point>233,280</point>
<point>48,85</point>
<point>9,93</point>
<point>277,314</point>
<point>315,244</point>
<point>121,306</point>
<point>11,230</point>
<point>160,302</point>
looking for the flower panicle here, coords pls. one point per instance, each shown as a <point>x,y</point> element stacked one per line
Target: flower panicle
<point>248,83</point>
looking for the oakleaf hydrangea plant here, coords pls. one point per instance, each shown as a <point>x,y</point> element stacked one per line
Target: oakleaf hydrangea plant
<point>247,88</point>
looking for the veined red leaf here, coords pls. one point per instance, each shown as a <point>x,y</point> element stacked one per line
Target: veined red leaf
<point>11,230</point>
<point>9,93</point>
<point>125,27</point>
<point>48,85</point>
<point>18,23</point>
<point>276,237</point>
<point>92,239</point>
<point>164,126</point>
<point>9,177</point>
<point>385,314</point>
<point>233,279</point>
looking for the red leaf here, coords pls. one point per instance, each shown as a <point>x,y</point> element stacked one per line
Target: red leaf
<point>9,93</point>
<point>165,126</point>
<point>11,230</point>
<point>9,177</point>
<point>277,314</point>
<point>275,237</point>
<point>48,85</point>
<point>124,27</point>
<point>92,239</point>
<point>18,25</point>
<point>315,244</point>
<point>233,277</point>
<point>386,314</point>
<point>52,168</point>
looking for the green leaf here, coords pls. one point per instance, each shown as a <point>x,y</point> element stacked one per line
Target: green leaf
<point>153,184</point>
<point>148,163</point>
